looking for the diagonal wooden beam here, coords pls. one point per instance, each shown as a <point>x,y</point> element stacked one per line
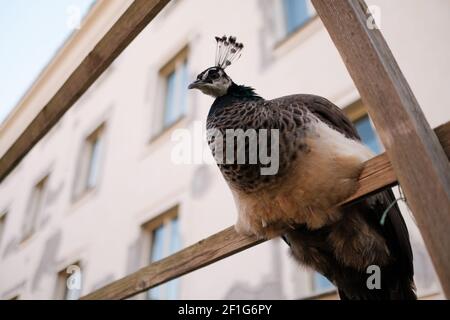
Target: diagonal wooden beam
<point>377,175</point>
<point>127,27</point>
<point>414,151</point>
<point>201,254</point>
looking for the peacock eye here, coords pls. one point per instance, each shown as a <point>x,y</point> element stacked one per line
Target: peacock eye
<point>213,74</point>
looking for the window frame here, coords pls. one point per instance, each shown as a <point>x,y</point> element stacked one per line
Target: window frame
<point>32,220</point>
<point>285,41</point>
<point>81,185</point>
<point>356,111</point>
<point>61,291</point>
<point>172,65</point>
<point>147,230</point>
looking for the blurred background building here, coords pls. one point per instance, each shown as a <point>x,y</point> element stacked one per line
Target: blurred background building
<point>100,192</point>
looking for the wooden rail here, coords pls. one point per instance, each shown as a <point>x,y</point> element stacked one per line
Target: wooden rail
<point>127,27</point>
<point>377,175</point>
<point>411,145</point>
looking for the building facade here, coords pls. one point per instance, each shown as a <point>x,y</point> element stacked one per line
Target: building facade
<point>108,190</point>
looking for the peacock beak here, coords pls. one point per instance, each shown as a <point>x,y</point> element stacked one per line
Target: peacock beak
<point>196,84</point>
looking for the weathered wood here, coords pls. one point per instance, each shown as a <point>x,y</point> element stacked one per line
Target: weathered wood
<point>416,156</point>
<point>127,27</point>
<point>377,175</point>
<point>203,253</point>
<point>443,134</point>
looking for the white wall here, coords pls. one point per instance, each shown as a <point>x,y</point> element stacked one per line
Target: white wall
<point>138,180</point>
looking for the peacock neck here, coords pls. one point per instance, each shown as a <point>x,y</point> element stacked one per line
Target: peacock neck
<point>235,93</point>
<point>240,91</point>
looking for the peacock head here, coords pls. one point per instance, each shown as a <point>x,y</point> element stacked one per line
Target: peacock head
<point>214,81</point>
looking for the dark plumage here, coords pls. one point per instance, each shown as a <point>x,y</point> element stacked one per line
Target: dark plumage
<point>320,159</point>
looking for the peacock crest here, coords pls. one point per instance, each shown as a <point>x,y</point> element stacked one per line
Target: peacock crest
<point>227,51</point>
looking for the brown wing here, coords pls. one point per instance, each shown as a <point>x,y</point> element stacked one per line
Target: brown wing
<point>394,230</point>
<point>331,115</point>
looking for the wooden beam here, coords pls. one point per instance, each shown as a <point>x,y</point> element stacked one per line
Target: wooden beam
<point>127,27</point>
<point>377,175</point>
<point>203,253</point>
<point>414,151</point>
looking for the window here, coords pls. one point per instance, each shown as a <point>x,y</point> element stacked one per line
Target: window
<point>175,97</point>
<point>297,13</point>
<point>35,207</point>
<point>175,79</point>
<point>357,113</point>
<point>367,133</point>
<point>89,165</point>
<point>68,283</point>
<point>162,236</point>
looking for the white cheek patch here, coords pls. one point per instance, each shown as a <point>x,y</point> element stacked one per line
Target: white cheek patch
<point>214,90</point>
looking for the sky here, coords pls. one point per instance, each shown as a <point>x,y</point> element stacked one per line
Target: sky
<point>31,32</point>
